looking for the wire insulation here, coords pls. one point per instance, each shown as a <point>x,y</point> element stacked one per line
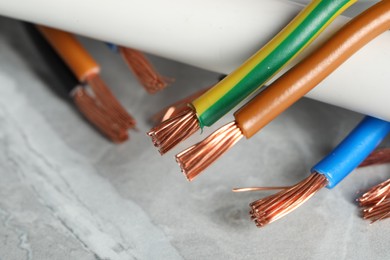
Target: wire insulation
<point>313,69</point>
<point>71,51</point>
<point>259,68</point>
<point>352,150</point>
<point>340,162</point>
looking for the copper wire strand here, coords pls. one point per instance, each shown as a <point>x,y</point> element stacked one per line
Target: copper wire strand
<point>97,116</point>
<point>176,108</point>
<point>246,189</point>
<point>104,95</point>
<point>379,156</point>
<point>267,210</point>
<point>146,74</point>
<point>171,132</point>
<point>376,202</point>
<point>198,157</point>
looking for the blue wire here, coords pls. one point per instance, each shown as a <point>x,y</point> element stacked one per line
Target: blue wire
<point>112,47</point>
<point>352,150</point>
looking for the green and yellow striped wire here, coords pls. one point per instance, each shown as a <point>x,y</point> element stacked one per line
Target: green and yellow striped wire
<point>264,64</point>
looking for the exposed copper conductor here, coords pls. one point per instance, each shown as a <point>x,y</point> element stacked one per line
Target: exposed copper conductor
<point>171,132</point>
<point>104,95</point>
<point>176,108</point>
<point>198,157</point>
<point>260,188</point>
<point>274,207</point>
<point>98,116</point>
<point>379,156</point>
<point>376,202</point>
<point>144,71</point>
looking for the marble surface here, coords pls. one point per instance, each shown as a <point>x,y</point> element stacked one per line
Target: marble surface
<point>68,193</point>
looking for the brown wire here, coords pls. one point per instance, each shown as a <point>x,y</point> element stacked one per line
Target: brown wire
<point>144,70</point>
<point>295,83</point>
<point>195,159</point>
<point>98,116</point>
<point>313,69</point>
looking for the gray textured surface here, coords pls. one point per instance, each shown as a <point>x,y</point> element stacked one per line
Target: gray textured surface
<point>67,193</point>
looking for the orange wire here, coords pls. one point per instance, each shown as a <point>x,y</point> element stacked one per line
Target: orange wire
<point>71,51</point>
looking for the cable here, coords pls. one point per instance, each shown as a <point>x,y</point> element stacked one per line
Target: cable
<point>142,69</point>
<point>68,86</point>
<point>330,171</point>
<point>86,69</point>
<point>252,74</point>
<point>290,87</point>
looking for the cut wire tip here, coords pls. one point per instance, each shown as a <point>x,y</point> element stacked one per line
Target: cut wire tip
<point>98,116</point>
<point>171,132</point>
<point>198,157</point>
<point>274,207</point>
<point>149,78</point>
<point>376,202</point>
<point>107,99</point>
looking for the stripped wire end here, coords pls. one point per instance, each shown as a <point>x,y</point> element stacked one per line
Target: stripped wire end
<point>171,132</point>
<point>274,207</point>
<point>98,116</point>
<point>176,108</point>
<point>149,78</point>
<point>104,95</point>
<point>379,156</point>
<point>376,202</point>
<point>198,157</point>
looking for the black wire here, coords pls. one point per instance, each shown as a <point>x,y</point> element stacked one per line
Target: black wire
<point>66,79</point>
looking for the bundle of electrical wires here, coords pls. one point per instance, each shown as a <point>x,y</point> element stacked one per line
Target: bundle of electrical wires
<point>142,69</point>
<point>78,76</point>
<point>376,202</point>
<point>250,76</point>
<point>330,171</point>
<point>287,89</point>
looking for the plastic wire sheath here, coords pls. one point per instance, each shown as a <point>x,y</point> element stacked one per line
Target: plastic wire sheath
<point>71,51</point>
<point>352,150</point>
<point>66,79</point>
<point>313,69</point>
<point>259,68</point>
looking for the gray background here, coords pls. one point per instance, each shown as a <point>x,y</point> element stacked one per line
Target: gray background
<point>68,193</point>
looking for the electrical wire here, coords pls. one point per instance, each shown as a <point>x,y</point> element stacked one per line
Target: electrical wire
<point>330,171</point>
<point>256,71</point>
<point>68,86</point>
<point>86,69</point>
<point>142,69</point>
<point>379,156</point>
<point>295,83</point>
<point>375,202</point>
